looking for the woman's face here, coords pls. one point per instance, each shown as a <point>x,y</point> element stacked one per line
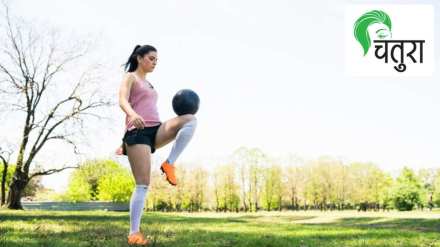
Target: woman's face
<point>379,31</point>
<point>148,61</point>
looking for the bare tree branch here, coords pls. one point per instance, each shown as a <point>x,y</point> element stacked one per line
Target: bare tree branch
<point>77,110</point>
<point>51,171</point>
<point>5,155</point>
<point>14,80</point>
<point>31,62</point>
<point>65,137</point>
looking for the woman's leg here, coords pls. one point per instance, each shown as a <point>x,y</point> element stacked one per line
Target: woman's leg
<point>139,156</point>
<point>168,131</point>
<point>181,129</point>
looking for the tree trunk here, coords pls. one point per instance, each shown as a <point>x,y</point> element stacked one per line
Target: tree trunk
<point>3,195</point>
<point>15,191</point>
<point>280,199</point>
<point>244,202</point>
<point>292,198</point>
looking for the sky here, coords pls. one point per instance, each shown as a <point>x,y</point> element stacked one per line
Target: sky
<point>270,74</point>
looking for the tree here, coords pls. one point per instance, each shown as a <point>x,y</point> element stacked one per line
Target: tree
<point>436,188</point>
<point>386,197</point>
<point>293,180</point>
<point>216,178</point>
<point>5,156</point>
<point>369,185</point>
<point>407,191</point>
<point>179,193</point>
<point>197,189</point>
<point>116,186</point>
<point>257,159</point>
<point>249,162</point>
<point>84,182</point>
<point>379,182</point>
<point>427,178</point>
<point>33,187</point>
<point>32,63</point>
<point>342,185</point>
<point>163,198</point>
<point>359,173</point>
<point>226,188</point>
<point>240,158</point>
<point>321,185</point>
<point>272,188</point>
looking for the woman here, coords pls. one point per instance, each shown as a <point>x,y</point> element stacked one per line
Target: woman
<point>145,132</point>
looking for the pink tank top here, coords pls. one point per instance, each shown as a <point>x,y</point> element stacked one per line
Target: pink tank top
<point>143,100</point>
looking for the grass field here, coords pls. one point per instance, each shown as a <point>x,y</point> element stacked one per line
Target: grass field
<point>100,228</point>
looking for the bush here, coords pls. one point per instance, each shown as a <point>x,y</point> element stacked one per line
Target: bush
<point>79,189</point>
<point>116,187</point>
<point>32,187</point>
<point>406,198</point>
<point>115,182</point>
<point>9,174</point>
<point>407,191</point>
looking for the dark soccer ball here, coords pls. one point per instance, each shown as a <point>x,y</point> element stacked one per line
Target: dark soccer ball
<point>186,101</point>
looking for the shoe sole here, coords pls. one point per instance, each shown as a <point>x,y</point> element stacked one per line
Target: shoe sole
<point>138,244</point>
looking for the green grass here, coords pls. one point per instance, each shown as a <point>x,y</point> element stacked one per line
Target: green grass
<point>275,229</point>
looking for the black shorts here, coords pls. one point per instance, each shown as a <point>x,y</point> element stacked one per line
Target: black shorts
<point>146,136</point>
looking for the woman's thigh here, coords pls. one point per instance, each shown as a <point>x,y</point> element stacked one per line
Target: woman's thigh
<point>168,130</point>
<point>139,156</point>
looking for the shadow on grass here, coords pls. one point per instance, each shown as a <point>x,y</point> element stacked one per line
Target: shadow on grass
<point>414,224</point>
<point>87,229</point>
<point>64,217</point>
<point>89,216</point>
<point>102,236</point>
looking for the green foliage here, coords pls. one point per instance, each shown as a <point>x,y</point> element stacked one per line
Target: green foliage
<point>407,191</point>
<point>436,189</point>
<point>369,181</point>
<point>406,197</point>
<point>84,182</point>
<point>163,197</point>
<point>116,187</point>
<point>272,190</point>
<point>252,181</point>
<point>79,189</point>
<point>9,174</point>
<point>33,186</point>
<point>226,189</point>
<point>194,195</point>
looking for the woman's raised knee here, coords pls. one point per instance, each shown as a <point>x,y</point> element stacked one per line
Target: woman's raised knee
<point>188,118</point>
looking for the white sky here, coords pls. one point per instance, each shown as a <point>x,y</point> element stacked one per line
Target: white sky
<point>270,74</point>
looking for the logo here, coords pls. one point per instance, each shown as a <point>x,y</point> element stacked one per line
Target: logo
<point>374,24</point>
<point>384,42</point>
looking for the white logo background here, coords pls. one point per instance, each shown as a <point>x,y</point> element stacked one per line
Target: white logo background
<point>408,22</point>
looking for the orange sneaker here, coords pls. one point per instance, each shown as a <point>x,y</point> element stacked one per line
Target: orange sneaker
<point>137,238</point>
<point>168,169</point>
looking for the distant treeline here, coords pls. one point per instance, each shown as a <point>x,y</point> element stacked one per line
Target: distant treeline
<point>251,181</point>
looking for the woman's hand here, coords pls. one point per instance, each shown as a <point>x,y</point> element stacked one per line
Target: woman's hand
<point>136,120</point>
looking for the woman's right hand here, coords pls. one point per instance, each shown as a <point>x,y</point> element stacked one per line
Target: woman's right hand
<point>136,120</point>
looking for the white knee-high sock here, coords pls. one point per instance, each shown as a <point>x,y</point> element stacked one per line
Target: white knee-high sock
<point>137,202</point>
<point>183,137</point>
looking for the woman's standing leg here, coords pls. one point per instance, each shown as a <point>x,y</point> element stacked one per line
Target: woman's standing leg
<point>139,156</point>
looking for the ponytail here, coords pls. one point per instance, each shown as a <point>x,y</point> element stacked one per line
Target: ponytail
<point>132,63</point>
